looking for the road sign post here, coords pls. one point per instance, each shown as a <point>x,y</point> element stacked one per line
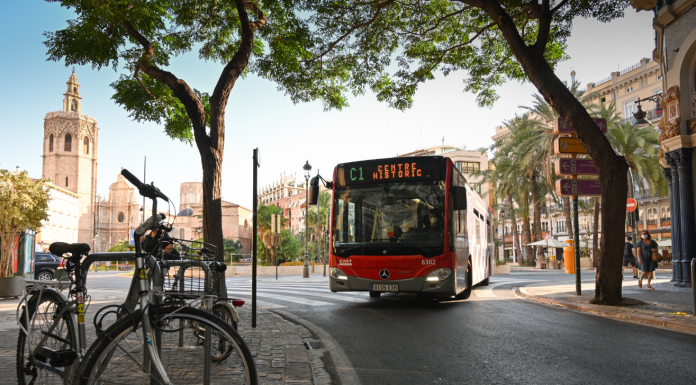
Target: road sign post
<point>570,145</point>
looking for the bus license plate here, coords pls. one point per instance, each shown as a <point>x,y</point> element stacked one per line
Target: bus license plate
<point>376,287</point>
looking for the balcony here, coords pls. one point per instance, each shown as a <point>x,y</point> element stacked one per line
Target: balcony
<point>651,221</point>
<point>652,115</point>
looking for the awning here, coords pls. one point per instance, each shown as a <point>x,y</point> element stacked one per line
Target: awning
<point>665,243</point>
<point>550,243</point>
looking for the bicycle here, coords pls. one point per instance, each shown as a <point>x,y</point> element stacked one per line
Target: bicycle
<point>163,342</point>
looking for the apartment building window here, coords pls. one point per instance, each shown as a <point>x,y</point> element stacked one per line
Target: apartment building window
<point>560,227</point>
<point>629,89</point>
<point>665,213</point>
<point>629,109</point>
<point>468,167</point>
<point>476,187</point>
<point>659,77</point>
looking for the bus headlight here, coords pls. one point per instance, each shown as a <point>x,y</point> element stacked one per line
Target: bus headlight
<point>439,274</point>
<point>337,274</point>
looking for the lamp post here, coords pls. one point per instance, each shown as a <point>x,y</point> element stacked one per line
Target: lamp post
<point>640,115</point>
<point>305,272</point>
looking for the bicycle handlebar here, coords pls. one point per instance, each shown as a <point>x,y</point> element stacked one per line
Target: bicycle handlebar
<point>146,190</point>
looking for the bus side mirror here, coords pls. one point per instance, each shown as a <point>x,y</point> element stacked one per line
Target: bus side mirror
<point>313,191</point>
<point>459,197</point>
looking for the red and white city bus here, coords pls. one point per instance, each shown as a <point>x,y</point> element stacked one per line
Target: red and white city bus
<point>408,225</point>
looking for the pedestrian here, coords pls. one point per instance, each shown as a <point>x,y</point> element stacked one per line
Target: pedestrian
<point>629,257</point>
<point>646,248</point>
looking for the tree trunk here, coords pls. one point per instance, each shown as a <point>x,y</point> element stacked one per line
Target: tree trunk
<point>537,219</point>
<point>527,240</point>
<point>595,234</point>
<point>568,218</point>
<point>612,167</point>
<point>515,235</point>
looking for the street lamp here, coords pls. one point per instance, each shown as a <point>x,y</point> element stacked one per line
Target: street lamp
<point>305,272</point>
<point>640,115</point>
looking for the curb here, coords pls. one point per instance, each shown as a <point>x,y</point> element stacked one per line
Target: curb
<point>346,373</point>
<point>591,309</point>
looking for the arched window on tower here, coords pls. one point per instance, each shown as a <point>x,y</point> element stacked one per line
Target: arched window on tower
<point>73,105</point>
<point>50,143</point>
<point>68,143</point>
<point>86,145</point>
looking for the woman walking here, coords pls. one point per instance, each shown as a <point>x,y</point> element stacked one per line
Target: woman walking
<point>646,247</point>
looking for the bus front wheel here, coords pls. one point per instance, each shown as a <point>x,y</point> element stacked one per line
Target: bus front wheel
<point>469,278</point>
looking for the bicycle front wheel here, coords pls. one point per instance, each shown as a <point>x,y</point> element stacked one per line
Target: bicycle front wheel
<point>118,357</point>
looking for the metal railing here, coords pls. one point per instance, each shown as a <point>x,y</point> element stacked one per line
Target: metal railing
<point>651,221</point>
<point>603,81</point>
<point>631,68</point>
<point>665,219</point>
<point>655,114</point>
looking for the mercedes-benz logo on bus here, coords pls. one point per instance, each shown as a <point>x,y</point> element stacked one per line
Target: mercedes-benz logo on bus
<point>384,274</point>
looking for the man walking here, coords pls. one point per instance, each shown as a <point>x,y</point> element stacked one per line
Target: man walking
<point>629,257</point>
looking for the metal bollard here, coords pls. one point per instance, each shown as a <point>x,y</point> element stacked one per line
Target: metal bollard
<point>693,282</point>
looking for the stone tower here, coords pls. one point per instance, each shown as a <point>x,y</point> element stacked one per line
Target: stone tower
<point>70,155</point>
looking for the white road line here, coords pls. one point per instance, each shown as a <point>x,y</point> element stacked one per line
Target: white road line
<point>487,291</point>
<point>324,295</point>
<point>324,290</point>
<point>282,297</point>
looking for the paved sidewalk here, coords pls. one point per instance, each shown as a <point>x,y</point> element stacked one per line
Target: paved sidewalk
<point>666,306</point>
<point>278,345</point>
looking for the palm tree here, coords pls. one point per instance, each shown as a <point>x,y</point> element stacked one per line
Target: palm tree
<point>270,239</point>
<point>640,146</point>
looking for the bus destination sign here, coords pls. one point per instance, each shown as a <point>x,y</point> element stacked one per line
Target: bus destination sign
<point>390,170</point>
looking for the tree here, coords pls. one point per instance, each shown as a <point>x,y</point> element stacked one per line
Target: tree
<point>289,248</point>
<point>491,40</point>
<point>121,247</point>
<point>23,206</point>
<point>269,238</point>
<point>143,36</point>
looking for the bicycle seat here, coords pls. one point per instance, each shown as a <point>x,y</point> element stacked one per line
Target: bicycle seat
<point>75,249</point>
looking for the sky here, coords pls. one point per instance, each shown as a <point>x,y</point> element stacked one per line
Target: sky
<point>260,116</point>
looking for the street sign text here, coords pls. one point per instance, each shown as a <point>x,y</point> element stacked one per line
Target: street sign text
<point>567,166</point>
<point>568,146</point>
<point>585,187</point>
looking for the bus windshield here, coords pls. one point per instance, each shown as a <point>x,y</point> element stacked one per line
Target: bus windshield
<point>401,214</point>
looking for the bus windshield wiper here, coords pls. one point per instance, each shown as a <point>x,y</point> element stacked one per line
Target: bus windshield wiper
<point>421,248</point>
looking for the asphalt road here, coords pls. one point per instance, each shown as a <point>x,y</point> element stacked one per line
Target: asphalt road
<point>494,337</point>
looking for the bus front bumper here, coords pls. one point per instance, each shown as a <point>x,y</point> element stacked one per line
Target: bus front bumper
<point>410,285</point>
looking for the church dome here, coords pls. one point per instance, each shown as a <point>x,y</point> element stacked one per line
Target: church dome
<point>185,213</point>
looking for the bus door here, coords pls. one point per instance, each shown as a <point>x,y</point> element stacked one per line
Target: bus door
<point>461,235</point>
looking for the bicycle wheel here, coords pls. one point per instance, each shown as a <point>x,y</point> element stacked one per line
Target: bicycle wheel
<point>222,349</point>
<point>43,316</point>
<point>117,357</point>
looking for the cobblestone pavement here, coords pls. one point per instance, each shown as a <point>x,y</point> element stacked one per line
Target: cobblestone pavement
<point>278,346</point>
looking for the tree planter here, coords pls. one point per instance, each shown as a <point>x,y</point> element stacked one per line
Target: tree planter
<point>502,270</point>
<point>11,287</point>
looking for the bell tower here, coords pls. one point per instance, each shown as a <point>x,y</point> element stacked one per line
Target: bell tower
<point>70,155</point>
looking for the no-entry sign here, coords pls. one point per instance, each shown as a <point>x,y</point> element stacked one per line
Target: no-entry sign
<point>631,205</point>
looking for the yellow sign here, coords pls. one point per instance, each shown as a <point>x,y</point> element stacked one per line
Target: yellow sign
<point>568,146</point>
<point>80,318</point>
<point>81,308</point>
<point>143,274</point>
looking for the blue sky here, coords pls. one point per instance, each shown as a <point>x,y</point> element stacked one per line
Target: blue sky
<point>260,116</point>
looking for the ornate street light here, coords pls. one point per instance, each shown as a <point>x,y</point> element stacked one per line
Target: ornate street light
<point>305,271</point>
<point>640,115</point>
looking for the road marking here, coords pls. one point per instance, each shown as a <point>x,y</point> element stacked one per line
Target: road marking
<point>326,295</point>
<point>325,290</point>
<point>282,297</point>
<point>487,291</point>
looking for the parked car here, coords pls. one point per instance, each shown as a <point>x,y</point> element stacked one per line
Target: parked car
<point>45,265</point>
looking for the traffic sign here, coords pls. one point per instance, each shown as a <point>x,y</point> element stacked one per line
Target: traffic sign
<point>560,126</point>
<point>546,236</point>
<point>568,146</point>
<point>631,205</point>
<point>568,166</point>
<point>585,187</point>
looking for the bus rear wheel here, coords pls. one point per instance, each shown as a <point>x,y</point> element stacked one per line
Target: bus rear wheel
<point>375,294</point>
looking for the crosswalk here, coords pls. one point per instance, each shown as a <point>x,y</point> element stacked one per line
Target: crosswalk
<point>274,295</point>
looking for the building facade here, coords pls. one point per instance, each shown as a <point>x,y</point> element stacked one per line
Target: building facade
<point>70,155</point>
<point>675,49</point>
<point>63,218</point>
<point>118,214</point>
